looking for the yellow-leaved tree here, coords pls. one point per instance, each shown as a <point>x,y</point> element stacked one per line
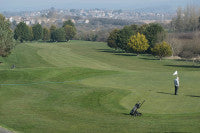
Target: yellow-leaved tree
<point>162,50</point>
<point>138,43</point>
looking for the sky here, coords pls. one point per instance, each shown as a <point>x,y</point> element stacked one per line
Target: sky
<point>30,5</point>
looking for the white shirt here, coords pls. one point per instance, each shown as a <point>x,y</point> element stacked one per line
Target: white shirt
<point>176,82</point>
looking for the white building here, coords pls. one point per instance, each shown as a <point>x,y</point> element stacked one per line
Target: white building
<point>87,21</point>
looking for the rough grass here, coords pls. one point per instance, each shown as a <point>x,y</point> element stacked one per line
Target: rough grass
<point>87,87</point>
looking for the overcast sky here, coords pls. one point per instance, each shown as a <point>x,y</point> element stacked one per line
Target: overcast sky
<point>19,5</point>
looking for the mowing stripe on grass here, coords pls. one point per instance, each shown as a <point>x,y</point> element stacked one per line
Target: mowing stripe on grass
<point>43,82</point>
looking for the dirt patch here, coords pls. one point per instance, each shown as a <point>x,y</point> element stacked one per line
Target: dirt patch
<point>173,57</point>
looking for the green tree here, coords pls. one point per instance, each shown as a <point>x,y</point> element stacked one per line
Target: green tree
<point>59,35</point>
<point>37,32</point>
<point>52,29</point>
<point>111,41</point>
<point>154,34</point>
<point>124,36</point>
<point>70,32</point>
<point>30,33</point>
<point>22,32</point>
<point>46,34</point>
<point>138,43</point>
<point>162,50</point>
<point>142,28</point>
<point>6,37</point>
<point>69,22</point>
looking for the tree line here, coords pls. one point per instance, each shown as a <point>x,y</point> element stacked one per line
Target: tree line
<point>24,32</point>
<point>147,38</point>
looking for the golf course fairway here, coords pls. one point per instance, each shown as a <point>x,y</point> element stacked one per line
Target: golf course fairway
<point>86,87</point>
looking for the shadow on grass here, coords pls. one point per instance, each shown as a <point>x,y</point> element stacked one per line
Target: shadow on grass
<point>184,66</point>
<point>109,51</point>
<point>115,52</point>
<point>193,96</point>
<point>122,54</point>
<point>165,93</point>
<point>125,113</point>
<point>149,58</point>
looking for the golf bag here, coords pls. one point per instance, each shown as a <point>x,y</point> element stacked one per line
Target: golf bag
<point>13,66</point>
<point>134,111</point>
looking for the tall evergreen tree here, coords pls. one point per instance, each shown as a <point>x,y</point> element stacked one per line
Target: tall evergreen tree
<point>52,35</point>
<point>6,37</point>
<point>22,32</point>
<point>30,33</point>
<point>59,35</point>
<point>37,32</point>
<point>46,34</point>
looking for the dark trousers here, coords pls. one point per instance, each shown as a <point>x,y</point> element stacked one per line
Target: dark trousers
<point>176,90</point>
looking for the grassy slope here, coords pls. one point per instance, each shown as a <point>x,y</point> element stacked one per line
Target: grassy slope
<point>86,87</point>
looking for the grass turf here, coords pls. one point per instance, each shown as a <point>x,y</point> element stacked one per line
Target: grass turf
<point>87,87</point>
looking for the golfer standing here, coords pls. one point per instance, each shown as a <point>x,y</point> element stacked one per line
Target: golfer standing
<point>176,84</point>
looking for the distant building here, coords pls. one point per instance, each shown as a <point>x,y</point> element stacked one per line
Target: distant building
<point>73,21</point>
<point>11,19</point>
<point>27,22</point>
<point>32,21</point>
<point>87,21</point>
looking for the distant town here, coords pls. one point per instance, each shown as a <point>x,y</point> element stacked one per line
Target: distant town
<point>83,16</point>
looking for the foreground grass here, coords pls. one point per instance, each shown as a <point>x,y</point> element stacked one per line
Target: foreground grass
<point>87,87</point>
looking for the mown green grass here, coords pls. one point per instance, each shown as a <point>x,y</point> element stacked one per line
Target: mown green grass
<point>87,87</point>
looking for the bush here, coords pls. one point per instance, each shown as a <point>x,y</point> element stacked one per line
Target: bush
<point>162,50</point>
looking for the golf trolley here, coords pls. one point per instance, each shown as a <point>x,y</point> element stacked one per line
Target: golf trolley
<point>134,111</point>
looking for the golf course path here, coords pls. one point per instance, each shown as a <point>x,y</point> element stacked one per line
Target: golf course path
<point>3,130</point>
